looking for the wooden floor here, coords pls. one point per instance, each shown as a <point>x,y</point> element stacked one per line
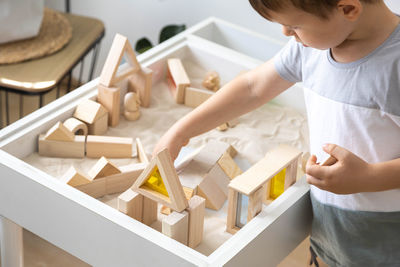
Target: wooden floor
<point>38,252</point>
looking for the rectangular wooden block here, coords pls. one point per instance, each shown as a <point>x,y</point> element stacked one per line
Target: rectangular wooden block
<point>141,82</point>
<point>122,181</point>
<point>141,153</point>
<point>178,79</point>
<point>232,211</point>
<point>214,196</point>
<point>229,166</point>
<point>62,149</point>
<point>255,203</point>
<point>194,97</point>
<point>131,203</point>
<point>109,146</point>
<point>110,98</point>
<point>96,189</point>
<point>149,211</point>
<point>220,178</point>
<point>196,211</point>
<point>176,226</point>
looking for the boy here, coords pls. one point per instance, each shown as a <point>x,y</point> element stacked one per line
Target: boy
<point>347,54</point>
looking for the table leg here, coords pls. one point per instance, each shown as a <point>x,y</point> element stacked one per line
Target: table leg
<point>11,243</point>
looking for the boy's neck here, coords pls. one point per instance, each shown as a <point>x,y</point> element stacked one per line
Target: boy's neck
<point>375,25</point>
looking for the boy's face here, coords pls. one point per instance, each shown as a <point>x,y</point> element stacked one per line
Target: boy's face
<point>311,30</point>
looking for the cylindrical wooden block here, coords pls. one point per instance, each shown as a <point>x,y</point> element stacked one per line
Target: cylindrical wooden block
<point>76,126</point>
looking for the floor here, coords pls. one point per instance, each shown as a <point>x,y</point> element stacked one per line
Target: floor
<point>40,253</point>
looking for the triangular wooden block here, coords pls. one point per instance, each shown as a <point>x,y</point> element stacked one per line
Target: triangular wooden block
<point>59,133</point>
<point>160,174</point>
<point>119,47</point>
<point>103,168</point>
<point>74,178</point>
<point>89,111</point>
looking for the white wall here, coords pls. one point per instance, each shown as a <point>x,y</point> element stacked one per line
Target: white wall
<point>138,18</point>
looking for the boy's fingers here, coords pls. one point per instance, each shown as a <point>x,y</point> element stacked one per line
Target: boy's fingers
<point>314,181</point>
<point>336,151</point>
<point>319,172</point>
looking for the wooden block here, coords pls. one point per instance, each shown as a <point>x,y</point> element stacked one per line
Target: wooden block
<point>196,211</point>
<point>108,146</point>
<point>122,181</point>
<point>100,126</point>
<point>110,98</point>
<point>103,168</point>
<point>229,166</point>
<point>59,133</point>
<point>255,203</point>
<point>265,169</point>
<point>62,149</point>
<point>194,97</point>
<point>219,177</point>
<point>149,211</point>
<point>189,193</point>
<point>175,197</point>
<point>89,111</point>
<point>115,183</point>
<point>141,153</point>
<point>232,212</point>
<point>141,82</point>
<point>76,126</point>
<point>177,79</point>
<point>119,47</point>
<point>214,196</point>
<point>74,178</point>
<point>222,127</point>
<point>95,189</point>
<point>131,203</point>
<point>176,226</point>
<point>291,173</point>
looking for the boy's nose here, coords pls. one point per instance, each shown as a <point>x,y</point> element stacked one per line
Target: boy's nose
<point>287,31</point>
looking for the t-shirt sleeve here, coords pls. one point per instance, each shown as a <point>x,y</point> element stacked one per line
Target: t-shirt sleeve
<point>288,62</point>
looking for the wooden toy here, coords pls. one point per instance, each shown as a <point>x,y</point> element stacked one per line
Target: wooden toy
<point>229,124</point>
<point>229,166</point>
<point>189,193</point>
<point>149,211</point>
<point>131,106</point>
<point>176,226</point>
<point>160,183</point>
<point>196,211</point>
<point>74,178</point>
<point>131,203</point>
<point>177,79</point>
<point>94,115</point>
<point>206,177</point>
<point>115,183</point>
<point>141,153</point>
<point>76,126</point>
<point>108,146</point>
<point>223,127</point>
<point>253,184</point>
<point>194,97</point>
<point>119,47</point>
<point>211,81</point>
<point>103,168</point>
<point>110,97</point>
<point>141,82</point>
<point>62,149</point>
<point>59,133</point>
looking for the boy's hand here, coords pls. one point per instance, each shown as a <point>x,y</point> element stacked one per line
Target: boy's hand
<point>348,175</point>
<point>172,142</point>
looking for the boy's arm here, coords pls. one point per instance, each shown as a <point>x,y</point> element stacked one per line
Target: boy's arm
<point>350,174</point>
<point>243,94</point>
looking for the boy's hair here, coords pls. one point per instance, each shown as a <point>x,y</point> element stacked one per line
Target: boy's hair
<point>320,8</point>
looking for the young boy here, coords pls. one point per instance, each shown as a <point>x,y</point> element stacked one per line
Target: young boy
<point>347,54</point>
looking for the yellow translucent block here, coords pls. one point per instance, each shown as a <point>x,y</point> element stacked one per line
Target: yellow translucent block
<point>156,183</point>
<point>277,184</point>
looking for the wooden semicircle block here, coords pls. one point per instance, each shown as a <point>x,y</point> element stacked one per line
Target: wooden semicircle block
<point>160,182</point>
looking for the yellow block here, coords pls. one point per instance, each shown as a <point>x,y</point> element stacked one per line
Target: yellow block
<point>277,184</point>
<point>156,183</point>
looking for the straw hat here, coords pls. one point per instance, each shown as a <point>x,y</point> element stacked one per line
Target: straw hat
<point>55,32</point>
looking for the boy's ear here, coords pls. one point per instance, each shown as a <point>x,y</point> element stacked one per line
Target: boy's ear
<point>351,9</point>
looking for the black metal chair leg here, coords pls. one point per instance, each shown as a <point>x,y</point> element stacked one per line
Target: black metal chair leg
<point>1,109</point>
<point>69,81</point>
<point>81,71</point>
<point>21,106</point>
<point>7,110</point>
<point>41,100</point>
<point>94,59</point>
